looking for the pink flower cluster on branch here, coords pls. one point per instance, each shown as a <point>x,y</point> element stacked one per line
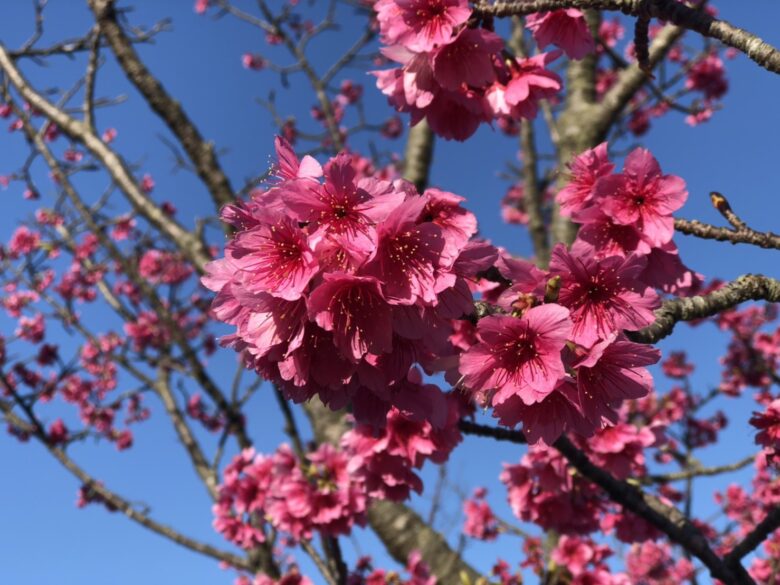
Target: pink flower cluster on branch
<point>341,288</point>
<point>557,360</point>
<point>293,496</point>
<point>457,76</point>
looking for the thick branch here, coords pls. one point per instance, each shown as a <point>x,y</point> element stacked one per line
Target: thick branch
<point>760,533</point>
<point>749,287</point>
<point>402,531</point>
<point>199,151</point>
<point>418,155</point>
<point>677,13</point>
<point>532,194</point>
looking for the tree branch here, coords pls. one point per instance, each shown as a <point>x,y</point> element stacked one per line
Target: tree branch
<point>677,13</point>
<point>749,287</point>
<point>418,155</point>
<point>760,533</point>
<point>191,246</point>
<point>693,227</point>
<point>123,505</point>
<point>200,152</point>
<point>666,518</point>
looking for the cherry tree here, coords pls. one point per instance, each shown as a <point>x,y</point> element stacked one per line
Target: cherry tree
<point>386,326</point>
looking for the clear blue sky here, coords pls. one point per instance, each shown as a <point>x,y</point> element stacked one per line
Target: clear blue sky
<point>45,539</point>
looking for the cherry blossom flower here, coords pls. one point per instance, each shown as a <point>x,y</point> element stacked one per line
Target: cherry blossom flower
<point>604,296</point>
<point>643,197</point>
<point>275,257</point>
<point>611,372</point>
<point>585,168</point>
<point>518,356</point>
<point>354,309</point>
<point>420,25</point>
<point>565,28</point>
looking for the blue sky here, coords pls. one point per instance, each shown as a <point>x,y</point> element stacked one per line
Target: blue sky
<point>45,539</point>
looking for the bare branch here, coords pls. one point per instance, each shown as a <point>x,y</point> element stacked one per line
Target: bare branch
<point>190,245</point>
<point>698,472</point>
<point>759,534</point>
<point>749,287</point>
<point>200,152</point>
<point>127,508</point>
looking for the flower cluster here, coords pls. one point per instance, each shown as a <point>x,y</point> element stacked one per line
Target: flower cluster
<point>418,573</point>
<point>628,213</point>
<point>541,488</point>
<point>339,288</point>
<point>386,462</point>
<point>457,77</point>
<point>296,497</point>
<point>481,523</point>
<point>557,366</point>
<point>557,358</point>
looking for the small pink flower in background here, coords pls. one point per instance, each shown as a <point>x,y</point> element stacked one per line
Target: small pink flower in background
<point>71,155</point>
<point>51,132</point>
<point>158,266</point>
<point>147,183</point>
<point>201,6</point>
<point>109,135</point>
<point>768,423</point>
<point>565,28</point>
<point>123,228</point>
<point>708,75</point>
<point>393,128</point>
<point>58,433</point>
<point>611,31</point>
<point>23,241</point>
<point>252,61</point>
<point>480,522</point>
<point>123,440</point>
<point>350,91</point>
<point>31,329</point>
<point>574,553</point>
<point>677,365</point>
